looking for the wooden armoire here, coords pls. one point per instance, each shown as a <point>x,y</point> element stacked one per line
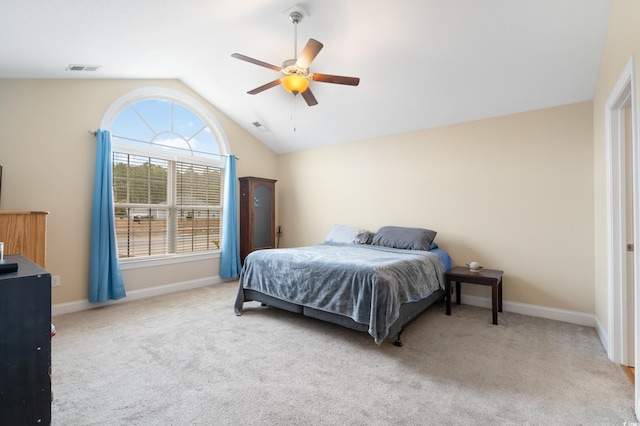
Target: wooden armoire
<point>257,214</point>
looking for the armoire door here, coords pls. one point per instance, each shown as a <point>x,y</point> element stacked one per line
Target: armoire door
<point>257,214</point>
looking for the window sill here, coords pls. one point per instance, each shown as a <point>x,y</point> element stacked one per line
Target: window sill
<point>151,262</point>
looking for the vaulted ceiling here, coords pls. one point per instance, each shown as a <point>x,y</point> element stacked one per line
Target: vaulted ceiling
<point>422,63</point>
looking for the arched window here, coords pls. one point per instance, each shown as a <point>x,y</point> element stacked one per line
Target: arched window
<point>168,176</point>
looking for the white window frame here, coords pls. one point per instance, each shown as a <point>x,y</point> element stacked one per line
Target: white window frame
<point>197,108</point>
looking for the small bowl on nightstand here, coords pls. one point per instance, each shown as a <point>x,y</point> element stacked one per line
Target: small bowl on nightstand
<point>474,267</point>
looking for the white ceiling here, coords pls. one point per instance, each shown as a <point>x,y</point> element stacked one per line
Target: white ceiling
<point>421,63</point>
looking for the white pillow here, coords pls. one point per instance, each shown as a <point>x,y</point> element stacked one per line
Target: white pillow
<point>342,234</point>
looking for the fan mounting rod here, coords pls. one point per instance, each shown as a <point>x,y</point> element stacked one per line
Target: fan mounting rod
<point>295,17</point>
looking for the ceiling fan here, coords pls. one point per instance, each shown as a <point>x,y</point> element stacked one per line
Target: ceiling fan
<point>296,75</point>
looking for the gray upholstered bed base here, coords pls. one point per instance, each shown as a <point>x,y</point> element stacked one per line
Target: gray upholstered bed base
<point>408,311</point>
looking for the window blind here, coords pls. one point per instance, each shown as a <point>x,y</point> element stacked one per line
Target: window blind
<point>165,207</point>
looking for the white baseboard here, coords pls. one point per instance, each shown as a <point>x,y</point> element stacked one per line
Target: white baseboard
<point>572,317</point>
<point>81,305</point>
<point>602,334</point>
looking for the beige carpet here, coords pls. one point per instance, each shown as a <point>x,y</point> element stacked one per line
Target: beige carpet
<point>186,359</point>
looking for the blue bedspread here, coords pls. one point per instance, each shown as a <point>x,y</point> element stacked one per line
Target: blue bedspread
<point>365,283</point>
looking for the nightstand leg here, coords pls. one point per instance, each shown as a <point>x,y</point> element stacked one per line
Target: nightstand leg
<point>457,292</point>
<point>494,302</point>
<point>500,296</point>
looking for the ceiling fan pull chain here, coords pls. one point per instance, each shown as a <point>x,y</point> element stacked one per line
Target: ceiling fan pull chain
<point>293,111</point>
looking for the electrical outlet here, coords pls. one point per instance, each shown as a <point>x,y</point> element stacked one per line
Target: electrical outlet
<point>55,281</point>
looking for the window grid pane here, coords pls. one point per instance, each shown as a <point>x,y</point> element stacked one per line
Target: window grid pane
<point>167,126</point>
<point>198,230</point>
<point>141,232</point>
<point>139,179</point>
<point>198,185</point>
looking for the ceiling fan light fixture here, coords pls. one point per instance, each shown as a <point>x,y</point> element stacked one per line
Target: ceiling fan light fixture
<point>295,83</point>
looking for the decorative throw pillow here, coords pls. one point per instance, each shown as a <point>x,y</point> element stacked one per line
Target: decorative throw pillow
<point>364,237</point>
<point>404,238</point>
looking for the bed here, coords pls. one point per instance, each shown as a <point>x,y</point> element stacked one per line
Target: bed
<point>376,283</point>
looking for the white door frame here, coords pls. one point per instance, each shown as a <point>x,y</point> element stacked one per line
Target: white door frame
<point>622,95</point>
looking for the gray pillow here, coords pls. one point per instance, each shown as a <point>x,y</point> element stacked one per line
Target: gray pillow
<point>404,238</point>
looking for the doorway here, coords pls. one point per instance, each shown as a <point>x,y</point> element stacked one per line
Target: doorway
<point>629,192</point>
<point>622,223</point>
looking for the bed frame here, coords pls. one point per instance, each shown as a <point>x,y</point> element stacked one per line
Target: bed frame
<point>408,311</point>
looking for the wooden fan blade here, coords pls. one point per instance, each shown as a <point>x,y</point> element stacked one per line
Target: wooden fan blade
<point>309,53</point>
<point>309,98</point>
<point>264,87</point>
<point>255,61</point>
<point>336,79</point>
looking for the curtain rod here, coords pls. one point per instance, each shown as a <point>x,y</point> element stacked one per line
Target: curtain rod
<point>95,132</point>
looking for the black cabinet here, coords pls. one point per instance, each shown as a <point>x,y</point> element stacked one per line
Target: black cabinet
<point>257,214</point>
<point>25,344</point>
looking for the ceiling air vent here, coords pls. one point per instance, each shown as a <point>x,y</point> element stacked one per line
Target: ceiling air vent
<point>260,127</point>
<point>83,67</point>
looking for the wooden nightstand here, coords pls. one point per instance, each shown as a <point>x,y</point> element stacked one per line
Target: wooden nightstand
<point>491,277</point>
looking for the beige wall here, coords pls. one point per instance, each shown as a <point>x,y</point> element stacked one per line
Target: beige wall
<point>48,158</point>
<point>623,41</point>
<point>495,190</point>
<point>514,193</point>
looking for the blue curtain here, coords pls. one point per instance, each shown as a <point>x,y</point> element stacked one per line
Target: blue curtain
<point>105,281</point>
<point>230,254</point>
